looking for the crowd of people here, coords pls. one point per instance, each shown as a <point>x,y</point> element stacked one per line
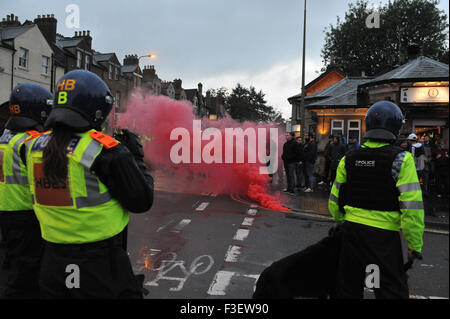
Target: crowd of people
<point>431,159</point>
<point>300,154</point>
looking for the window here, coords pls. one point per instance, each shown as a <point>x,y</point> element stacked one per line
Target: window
<point>337,127</point>
<point>23,58</point>
<point>79,59</point>
<point>116,74</point>
<point>110,73</point>
<point>45,64</point>
<point>354,130</point>
<point>87,62</point>
<point>117,100</point>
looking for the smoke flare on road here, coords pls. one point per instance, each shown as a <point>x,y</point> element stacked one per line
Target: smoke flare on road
<point>154,118</point>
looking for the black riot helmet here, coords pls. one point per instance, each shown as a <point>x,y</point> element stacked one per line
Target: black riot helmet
<point>29,105</point>
<point>82,101</point>
<point>383,121</point>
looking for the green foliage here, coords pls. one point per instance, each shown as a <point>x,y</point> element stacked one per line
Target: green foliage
<point>356,48</point>
<point>246,104</point>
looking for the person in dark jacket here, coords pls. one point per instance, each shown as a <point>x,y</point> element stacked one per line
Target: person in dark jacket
<point>85,184</point>
<point>30,105</point>
<point>353,144</point>
<point>326,173</point>
<point>335,152</point>
<point>310,150</point>
<point>300,160</point>
<point>289,161</point>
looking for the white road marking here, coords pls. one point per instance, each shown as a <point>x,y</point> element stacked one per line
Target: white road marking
<point>412,296</point>
<point>232,253</point>
<point>256,277</point>
<point>202,206</point>
<point>164,226</point>
<point>253,205</point>
<point>251,212</point>
<point>248,221</point>
<point>241,234</point>
<point>181,225</point>
<point>220,283</point>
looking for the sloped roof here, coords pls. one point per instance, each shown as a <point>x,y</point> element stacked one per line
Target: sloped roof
<point>342,93</point>
<point>67,43</point>
<point>129,68</point>
<point>8,33</point>
<point>421,68</point>
<point>101,57</point>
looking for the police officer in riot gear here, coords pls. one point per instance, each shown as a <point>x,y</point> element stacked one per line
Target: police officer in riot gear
<point>29,107</point>
<point>84,184</point>
<point>375,195</point>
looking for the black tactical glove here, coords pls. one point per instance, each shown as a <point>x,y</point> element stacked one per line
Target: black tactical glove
<point>132,141</point>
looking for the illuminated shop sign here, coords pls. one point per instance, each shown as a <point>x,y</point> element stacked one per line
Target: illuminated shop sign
<point>430,94</point>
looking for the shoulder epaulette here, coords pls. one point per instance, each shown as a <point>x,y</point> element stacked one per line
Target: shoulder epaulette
<point>34,134</point>
<point>106,140</point>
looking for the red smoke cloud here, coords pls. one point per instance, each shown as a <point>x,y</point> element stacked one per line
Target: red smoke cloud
<point>154,118</point>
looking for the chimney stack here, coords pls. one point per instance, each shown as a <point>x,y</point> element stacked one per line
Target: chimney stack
<point>47,24</point>
<point>131,59</point>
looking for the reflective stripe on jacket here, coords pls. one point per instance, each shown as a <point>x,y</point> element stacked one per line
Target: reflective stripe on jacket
<point>14,189</point>
<point>79,210</point>
<point>411,218</point>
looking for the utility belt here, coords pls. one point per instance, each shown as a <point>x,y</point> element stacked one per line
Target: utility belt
<point>115,241</point>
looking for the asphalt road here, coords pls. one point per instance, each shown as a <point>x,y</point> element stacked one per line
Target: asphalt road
<point>206,246</point>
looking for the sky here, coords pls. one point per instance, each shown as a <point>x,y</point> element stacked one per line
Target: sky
<point>216,42</point>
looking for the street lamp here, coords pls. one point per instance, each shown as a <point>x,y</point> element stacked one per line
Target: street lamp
<point>151,55</point>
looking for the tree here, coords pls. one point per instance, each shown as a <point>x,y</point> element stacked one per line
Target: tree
<point>354,47</point>
<point>246,104</point>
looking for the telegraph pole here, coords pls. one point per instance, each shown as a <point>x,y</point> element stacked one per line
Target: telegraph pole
<point>302,101</point>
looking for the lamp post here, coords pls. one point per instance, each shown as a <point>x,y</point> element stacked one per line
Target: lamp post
<point>151,56</point>
<point>302,101</point>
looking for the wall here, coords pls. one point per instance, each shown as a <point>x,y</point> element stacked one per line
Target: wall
<point>5,74</point>
<point>38,47</point>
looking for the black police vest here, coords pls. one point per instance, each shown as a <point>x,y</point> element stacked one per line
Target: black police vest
<point>370,184</point>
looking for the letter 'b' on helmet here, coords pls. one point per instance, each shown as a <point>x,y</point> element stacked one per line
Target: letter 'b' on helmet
<point>29,105</point>
<point>82,101</point>
<point>383,120</point>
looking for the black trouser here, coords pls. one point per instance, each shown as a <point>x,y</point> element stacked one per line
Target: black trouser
<point>362,246</point>
<point>24,247</point>
<point>308,273</point>
<point>104,271</point>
